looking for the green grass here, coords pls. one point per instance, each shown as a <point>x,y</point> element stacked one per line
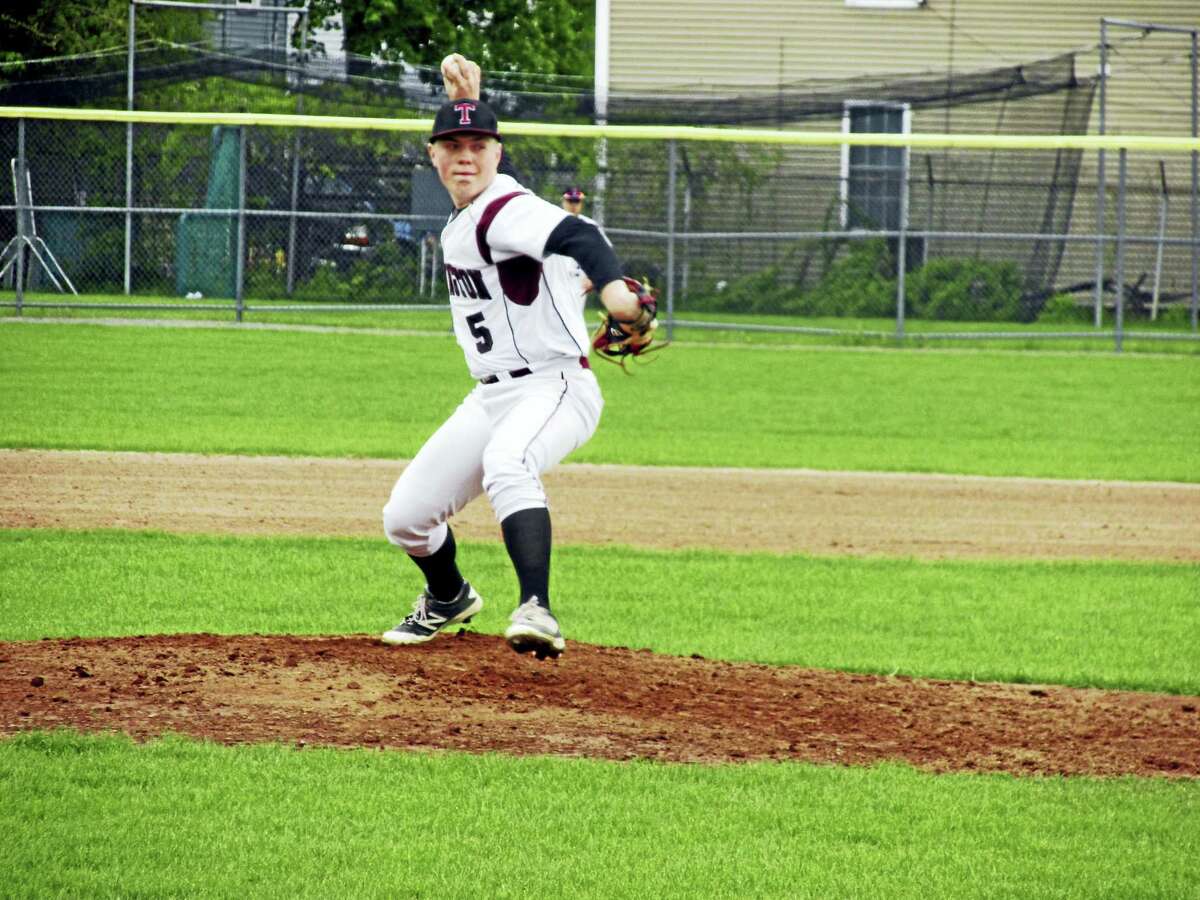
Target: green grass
<point>94,816</point>
<point>262,312</point>
<point>98,816</point>
<point>1117,625</point>
<point>1141,336</point>
<point>990,413</point>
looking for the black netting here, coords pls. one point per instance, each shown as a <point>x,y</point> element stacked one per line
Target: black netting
<point>365,84</point>
<point>353,215</point>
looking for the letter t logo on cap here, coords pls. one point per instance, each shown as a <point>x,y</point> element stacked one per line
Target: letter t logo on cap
<point>464,112</point>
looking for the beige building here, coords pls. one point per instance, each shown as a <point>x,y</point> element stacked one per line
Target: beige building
<point>739,46</point>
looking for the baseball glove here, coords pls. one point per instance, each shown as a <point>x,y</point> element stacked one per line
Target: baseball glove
<point>616,340</point>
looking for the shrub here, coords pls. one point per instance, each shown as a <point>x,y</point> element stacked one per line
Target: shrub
<point>766,291</point>
<point>858,284</point>
<point>861,283</point>
<point>965,290</point>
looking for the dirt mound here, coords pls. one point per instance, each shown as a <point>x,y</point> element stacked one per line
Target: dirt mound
<point>470,692</point>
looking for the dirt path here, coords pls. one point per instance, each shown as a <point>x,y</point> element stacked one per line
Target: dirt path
<point>469,692</point>
<point>785,511</point>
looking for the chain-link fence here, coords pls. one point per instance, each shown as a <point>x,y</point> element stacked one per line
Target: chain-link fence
<point>836,235</point>
<point>735,234</point>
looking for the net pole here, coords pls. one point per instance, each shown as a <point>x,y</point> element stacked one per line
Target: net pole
<point>129,151</point>
<point>672,165</point>
<point>240,262</point>
<point>21,236</point>
<point>1098,291</point>
<point>1122,169</point>
<point>1164,200</point>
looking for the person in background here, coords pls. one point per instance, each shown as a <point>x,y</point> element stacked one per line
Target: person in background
<point>572,201</point>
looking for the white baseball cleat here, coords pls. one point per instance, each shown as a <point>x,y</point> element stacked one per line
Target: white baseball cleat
<point>535,630</point>
<point>430,615</point>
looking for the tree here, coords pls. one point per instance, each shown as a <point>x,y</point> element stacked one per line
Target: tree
<point>33,29</point>
<point>545,36</point>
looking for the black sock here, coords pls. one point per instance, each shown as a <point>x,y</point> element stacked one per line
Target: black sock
<point>527,537</point>
<point>441,570</point>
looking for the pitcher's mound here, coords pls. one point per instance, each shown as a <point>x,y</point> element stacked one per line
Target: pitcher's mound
<point>470,692</point>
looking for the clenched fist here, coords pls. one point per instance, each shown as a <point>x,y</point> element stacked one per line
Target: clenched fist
<point>462,77</point>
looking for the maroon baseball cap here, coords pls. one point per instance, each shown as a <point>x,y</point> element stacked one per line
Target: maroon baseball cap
<point>465,117</point>
<point>573,193</point>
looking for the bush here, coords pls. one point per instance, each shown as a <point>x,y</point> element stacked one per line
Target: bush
<point>861,283</point>
<point>965,290</point>
<point>388,275</point>
<point>858,284</point>
<point>765,291</point>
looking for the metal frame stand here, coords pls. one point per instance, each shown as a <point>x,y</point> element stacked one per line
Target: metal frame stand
<point>27,236</point>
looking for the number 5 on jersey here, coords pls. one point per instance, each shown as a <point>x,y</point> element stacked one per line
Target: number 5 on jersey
<point>483,337</point>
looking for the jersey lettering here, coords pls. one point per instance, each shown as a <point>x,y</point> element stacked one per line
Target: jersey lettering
<point>466,283</point>
<point>512,306</point>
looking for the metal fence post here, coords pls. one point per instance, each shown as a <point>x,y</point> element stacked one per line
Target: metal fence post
<point>1098,291</point>
<point>902,248</point>
<point>671,166</point>
<point>1195,185</point>
<point>21,236</point>
<point>129,154</point>
<point>240,264</point>
<point>1120,311</point>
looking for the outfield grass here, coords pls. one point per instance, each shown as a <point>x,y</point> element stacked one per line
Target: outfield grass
<point>1140,337</point>
<point>1115,625</point>
<point>93,816</point>
<point>98,816</point>
<point>222,391</point>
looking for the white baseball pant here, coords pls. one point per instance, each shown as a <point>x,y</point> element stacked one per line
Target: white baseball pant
<point>500,440</point>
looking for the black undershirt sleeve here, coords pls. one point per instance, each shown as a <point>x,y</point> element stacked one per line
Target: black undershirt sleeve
<point>584,243</point>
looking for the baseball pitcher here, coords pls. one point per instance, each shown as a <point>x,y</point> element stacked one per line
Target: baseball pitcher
<point>520,325</point>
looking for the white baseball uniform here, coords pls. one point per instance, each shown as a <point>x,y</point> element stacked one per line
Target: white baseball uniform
<point>520,324</point>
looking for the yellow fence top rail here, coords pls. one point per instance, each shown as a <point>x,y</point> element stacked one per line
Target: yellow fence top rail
<point>1141,142</point>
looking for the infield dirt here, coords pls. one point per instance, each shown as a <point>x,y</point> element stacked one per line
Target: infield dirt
<point>469,692</point>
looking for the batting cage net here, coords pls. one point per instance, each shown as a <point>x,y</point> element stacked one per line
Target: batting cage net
<point>801,221</point>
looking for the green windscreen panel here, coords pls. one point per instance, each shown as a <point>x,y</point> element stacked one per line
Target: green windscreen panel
<point>206,245</point>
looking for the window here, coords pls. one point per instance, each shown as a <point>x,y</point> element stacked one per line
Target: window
<point>886,4</point>
<point>873,177</point>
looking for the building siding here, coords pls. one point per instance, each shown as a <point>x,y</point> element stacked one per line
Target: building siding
<point>673,45</point>
<point>708,43</point>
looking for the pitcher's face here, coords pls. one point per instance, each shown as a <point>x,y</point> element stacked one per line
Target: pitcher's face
<point>466,164</point>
